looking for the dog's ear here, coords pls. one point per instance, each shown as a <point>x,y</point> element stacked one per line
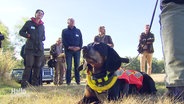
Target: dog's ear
<point>113,60</point>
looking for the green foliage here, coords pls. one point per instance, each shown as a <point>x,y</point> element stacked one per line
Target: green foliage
<point>134,63</point>
<point>7,63</point>
<point>6,44</point>
<point>19,41</point>
<point>157,66</point>
<point>6,86</point>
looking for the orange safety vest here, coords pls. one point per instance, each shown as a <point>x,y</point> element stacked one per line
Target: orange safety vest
<point>132,77</point>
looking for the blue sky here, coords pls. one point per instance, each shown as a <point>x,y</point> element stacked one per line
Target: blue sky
<point>124,20</point>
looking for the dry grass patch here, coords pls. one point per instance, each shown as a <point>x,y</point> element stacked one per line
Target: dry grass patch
<point>49,94</point>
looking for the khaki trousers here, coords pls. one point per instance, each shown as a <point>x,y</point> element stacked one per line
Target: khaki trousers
<point>146,57</point>
<point>59,71</point>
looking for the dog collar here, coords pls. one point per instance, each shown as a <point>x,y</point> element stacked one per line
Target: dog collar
<point>98,87</point>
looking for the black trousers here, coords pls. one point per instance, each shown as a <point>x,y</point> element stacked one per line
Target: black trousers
<point>33,64</point>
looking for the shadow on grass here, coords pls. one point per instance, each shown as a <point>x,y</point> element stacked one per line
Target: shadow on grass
<point>161,89</point>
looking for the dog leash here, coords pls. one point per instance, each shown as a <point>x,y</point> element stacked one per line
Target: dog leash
<point>152,18</point>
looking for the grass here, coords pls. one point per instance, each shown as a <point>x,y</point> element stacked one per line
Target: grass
<point>49,94</point>
<point>6,86</point>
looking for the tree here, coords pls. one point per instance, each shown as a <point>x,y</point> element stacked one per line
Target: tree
<point>18,40</point>
<point>134,63</point>
<point>6,43</point>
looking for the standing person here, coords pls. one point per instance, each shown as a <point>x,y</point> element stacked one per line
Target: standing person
<point>22,54</point>
<point>146,44</point>
<point>57,52</point>
<point>34,31</point>
<point>72,41</point>
<point>102,37</point>
<point>172,34</point>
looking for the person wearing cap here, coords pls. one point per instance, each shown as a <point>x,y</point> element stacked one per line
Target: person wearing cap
<point>72,41</point>
<point>102,37</point>
<point>57,52</point>
<point>172,35</point>
<point>34,31</point>
<point>146,49</point>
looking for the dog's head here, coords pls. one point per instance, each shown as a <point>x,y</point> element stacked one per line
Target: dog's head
<point>101,57</point>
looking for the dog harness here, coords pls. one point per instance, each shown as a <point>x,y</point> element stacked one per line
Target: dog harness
<point>102,84</point>
<point>105,83</point>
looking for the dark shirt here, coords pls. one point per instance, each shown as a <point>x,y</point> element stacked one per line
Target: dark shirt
<point>54,52</point>
<point>72,37</point>
<point>104,39</point>
<point>144,38</point>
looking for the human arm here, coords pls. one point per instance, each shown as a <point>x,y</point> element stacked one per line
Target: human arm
<point>23,32</point>
<point>64,41</point>
<point>110,42</point>
<point>151,39</point>
<point>43,38</point>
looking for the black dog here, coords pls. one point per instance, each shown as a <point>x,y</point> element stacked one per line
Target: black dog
<point>107,80</point>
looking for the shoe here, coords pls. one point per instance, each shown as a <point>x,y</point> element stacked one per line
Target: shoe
<point>68,84</point>
<point>78,83</point>
<point>60,83</point>
<point>55,83</point>
<point>175,93</point>
<point>24,84</point>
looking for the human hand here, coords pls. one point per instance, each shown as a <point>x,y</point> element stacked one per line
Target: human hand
<point>73,48</point>
<point>148,42</point>
<point>109,45</point>
<point>76,48</point>
<point>28,35</point>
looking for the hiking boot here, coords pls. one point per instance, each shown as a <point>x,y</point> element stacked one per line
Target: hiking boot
<point>24,84</point>
<point>55,83</point>
<point>175,93</point>
<point>60,83</point>
<point>78,83</point>
<point>68,84</point>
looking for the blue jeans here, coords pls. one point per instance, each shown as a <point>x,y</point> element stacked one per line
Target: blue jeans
<point>69,56</point>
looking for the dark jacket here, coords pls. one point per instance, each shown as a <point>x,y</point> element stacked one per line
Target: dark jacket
<point>72,37</point>
<point>22,52</point>
<point>53,50</point>
<point>143,41</point>
<point>1,38</point>
<point>34,44</point>
<point>104,39</point>
<point>175,1</point>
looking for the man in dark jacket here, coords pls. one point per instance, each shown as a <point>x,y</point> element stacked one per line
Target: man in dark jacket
<point>72,41</point>
<point>172,33</point>
<point>34,31</point>
<point>57,52</point>
<point>1,38</point>
<point>146,44</point>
